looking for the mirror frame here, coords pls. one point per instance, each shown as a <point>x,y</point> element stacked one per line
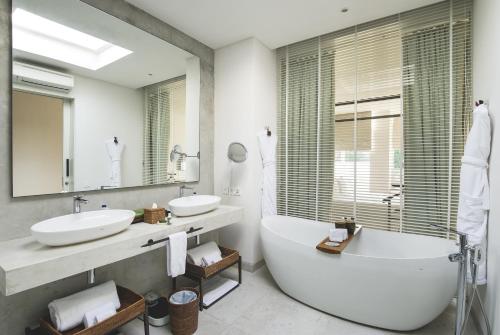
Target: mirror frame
<point>108,10</point>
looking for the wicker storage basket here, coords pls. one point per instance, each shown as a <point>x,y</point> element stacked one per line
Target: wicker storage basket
<point>184,318</point>
<point>229,257</point>
<point>154,215</point>
<point>132,305</point>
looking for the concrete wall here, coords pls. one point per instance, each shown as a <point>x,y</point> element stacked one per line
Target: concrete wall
<point>486,54</point>
<point>140,273</point>
<point>245,102</point>
<point>192,118</point>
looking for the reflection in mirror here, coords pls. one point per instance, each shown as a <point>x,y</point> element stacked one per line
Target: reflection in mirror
<point>177,154</point>
<point>237,152</point>
<point>98,103</point>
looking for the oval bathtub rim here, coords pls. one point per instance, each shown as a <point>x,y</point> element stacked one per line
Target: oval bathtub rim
<point>345,252</point>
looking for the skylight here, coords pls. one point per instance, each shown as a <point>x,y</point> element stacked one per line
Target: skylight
<point>38,35</point>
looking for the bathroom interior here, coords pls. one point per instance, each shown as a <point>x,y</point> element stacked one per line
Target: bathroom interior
<point>249,167</point>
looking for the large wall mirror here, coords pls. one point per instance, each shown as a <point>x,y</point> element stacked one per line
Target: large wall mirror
<point>98,103</point>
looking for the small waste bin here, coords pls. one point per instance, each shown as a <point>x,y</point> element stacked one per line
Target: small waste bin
<point>183,308</point>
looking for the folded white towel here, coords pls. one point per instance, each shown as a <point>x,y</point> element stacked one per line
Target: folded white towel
<point>106,314</point>
<point>195,255</point>
<point>338,235</point>
<point>211,258</point>
<point>176,254</point>
<point>68,312</point>
<point>216,288</point>
<point>99,314</point>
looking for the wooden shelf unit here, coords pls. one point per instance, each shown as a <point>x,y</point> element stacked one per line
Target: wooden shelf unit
<point>132,306</point>
<point>197,273</point>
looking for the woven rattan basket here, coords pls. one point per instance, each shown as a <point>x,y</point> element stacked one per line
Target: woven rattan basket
<point>229,257</point>
<point>132,305</point>
<point>184,318</point>
<point>154,215</point>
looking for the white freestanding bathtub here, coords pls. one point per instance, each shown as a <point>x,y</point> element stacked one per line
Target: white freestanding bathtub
<point>383,279</point>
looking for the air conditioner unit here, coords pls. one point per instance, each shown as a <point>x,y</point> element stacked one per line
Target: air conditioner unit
<point>31,75</point>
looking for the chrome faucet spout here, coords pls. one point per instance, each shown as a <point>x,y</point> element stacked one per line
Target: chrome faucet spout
<point>183,188</point>
<point>78,200</point>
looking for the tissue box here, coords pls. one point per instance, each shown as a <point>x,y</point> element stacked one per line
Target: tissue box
<point>154,215</point>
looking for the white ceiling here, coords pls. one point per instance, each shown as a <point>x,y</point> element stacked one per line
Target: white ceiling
<point>151,55</point>
<point>218,23</point>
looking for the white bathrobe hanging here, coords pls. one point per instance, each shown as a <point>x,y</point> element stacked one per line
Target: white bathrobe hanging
<point>474,201</point>
<point>267,146</point>
<point>115,154</point>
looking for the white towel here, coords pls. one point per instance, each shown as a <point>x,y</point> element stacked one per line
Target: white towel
<point>96,315</point>
<point>115,151</point>
<point>474,200</point>
<point>68,312</point>
<point>176,254</point>
<point>105,314</point>
<point>267,146</point>
<point>338,235</point>
<point>195,255</point>
<point>211,258</point>
<point>216,288</point>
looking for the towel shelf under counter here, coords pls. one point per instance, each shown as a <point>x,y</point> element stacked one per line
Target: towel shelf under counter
<point>132,306</point>
<point>25,263</point>
<point>197,273</point>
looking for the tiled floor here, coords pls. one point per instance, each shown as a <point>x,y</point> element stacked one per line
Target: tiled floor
<point>259,307</point>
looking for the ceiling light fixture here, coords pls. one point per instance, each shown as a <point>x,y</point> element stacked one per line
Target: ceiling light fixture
<point>40,36</point>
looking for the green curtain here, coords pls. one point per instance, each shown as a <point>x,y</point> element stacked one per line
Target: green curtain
<point>426,117</point>
<point>302,135</point>
<point>326,144</point>
<point>306,124</point>
<point>462,96</point>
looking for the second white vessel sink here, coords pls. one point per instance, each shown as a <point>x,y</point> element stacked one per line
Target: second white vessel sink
<point>81,227</point>
<point>194,205</point>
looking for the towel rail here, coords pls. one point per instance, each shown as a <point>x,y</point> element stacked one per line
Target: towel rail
<point>153,242</point>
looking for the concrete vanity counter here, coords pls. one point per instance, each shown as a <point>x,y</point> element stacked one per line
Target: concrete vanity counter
<point>25,263</point>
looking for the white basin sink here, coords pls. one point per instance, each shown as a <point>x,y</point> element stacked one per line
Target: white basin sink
<point>194,205</point>
<point>86,226</point>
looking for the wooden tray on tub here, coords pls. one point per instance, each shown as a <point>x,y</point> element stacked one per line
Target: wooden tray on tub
<point>338,249</point>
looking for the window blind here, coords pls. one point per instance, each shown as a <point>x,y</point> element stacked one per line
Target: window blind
<point>160,102</point>
<point>373,119</point>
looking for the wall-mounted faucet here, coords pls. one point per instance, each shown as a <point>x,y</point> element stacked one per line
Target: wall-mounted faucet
<point>78,200</point>
<point>465,253</point>
<point>183,188</point>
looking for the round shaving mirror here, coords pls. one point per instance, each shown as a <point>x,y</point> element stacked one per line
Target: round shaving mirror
<point>176,153</point>
<point>237,152</point>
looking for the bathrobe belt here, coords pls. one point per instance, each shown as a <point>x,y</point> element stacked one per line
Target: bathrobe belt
<point>268,163</point>
<point>476,162</point>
